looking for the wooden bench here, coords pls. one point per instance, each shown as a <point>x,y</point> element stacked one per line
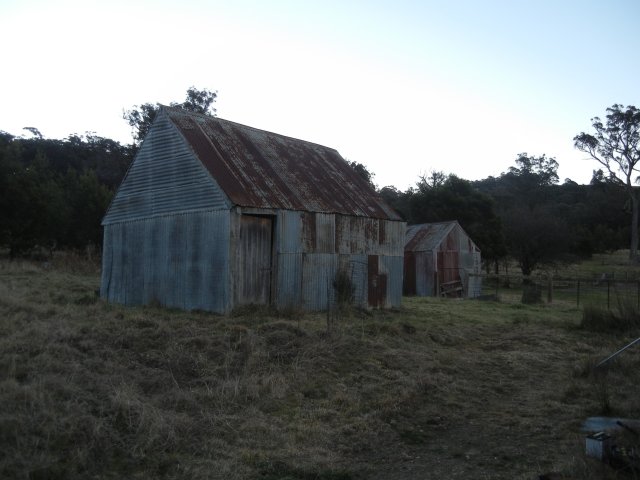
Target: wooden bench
<point>451,289</point>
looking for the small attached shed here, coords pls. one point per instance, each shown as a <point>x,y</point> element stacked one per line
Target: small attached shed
<point>213,215</point>
<point>441,260</point>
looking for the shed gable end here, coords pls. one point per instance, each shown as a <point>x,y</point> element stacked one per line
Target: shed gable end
<point>164,178</point>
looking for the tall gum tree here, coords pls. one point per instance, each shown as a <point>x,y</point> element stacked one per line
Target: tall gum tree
<point>616,146</point>
<point>533,234</point>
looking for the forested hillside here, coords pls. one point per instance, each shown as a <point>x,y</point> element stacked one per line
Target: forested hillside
<point>53,194</point>
<point>523,214</point>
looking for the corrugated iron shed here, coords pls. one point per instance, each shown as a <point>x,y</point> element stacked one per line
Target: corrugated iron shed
<point>427,237</point>
<point>440,259</point>
<point>260,169</point>
<point>214,215</point>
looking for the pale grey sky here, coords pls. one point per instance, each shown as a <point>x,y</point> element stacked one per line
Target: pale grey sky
<point>404,87</point>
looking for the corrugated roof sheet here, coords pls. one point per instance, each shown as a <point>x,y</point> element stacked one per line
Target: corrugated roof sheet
<point>256,168</point>
<point>427,236</point>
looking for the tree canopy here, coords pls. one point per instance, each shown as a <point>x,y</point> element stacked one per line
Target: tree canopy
<point>362,170</point>
<point>140,117</point>
<point>616,146</point>
<point>53,193</point>
<point>439,198</point>
<point>533,233</point>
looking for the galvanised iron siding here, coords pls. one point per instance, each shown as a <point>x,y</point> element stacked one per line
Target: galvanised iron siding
<point>392,245</point>
<point>179,261</point>
<point>325,233</point>
<point>425,273</point>
<point>471,262</point>
<point>164,178</point>
<point>318,272</point>
<point>358,273</point>
<point>289,284</point>
<point>440,253</point>
<point>392,268</point>
<point>448,266</point>
<point>312,247</point>
<point>173,233</point>
<point>289,259</point>
<point>289,232</point>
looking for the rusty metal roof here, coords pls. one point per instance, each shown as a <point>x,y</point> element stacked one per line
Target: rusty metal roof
<point>427,236</point>
<point>256,168</point>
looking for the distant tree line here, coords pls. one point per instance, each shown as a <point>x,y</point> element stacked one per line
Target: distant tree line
<point>526,215</point>
<point>54,193</point>
<point>523,214</point>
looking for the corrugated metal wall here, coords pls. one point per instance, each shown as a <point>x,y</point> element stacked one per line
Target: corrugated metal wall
<point>472,265</point>
<point>165,177</point>
<point>173,236</point>
<point>425,274</point>
<point>318,273</point>
<point>312,247</point>
<point>392,268</point>
<point>289,249</point>
<point>357,268</point>
<point>454,257</point>
<point>179,261</point>
<point>183,260</point>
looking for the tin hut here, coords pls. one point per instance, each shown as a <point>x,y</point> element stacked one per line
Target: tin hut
<point>440,260</point>
<point>213,215</point>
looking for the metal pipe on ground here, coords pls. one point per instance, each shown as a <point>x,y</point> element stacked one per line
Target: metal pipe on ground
<point>614,355</point>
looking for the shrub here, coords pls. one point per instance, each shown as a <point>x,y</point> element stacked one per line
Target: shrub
<point>344,289</point>
<point>531,293</point>
<point>597,319</point>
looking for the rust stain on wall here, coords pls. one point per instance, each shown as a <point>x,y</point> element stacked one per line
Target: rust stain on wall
<point>377,286</point>
<point>309,237</point>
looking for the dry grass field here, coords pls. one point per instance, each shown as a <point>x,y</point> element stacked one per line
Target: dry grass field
<point>439,389</point>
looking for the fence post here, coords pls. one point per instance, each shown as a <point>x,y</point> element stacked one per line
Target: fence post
<point>578,295</point>
<point>638,294</point>
<point>497,286</point>
<point>550,288</point>
<point>608,294</point>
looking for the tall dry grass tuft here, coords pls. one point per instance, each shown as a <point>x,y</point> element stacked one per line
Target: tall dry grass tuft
<point>624,318</point>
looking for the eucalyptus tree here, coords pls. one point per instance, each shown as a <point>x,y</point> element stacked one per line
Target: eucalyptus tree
<point>616,146</point>
<point>533,235</point>
<point>140,117</point>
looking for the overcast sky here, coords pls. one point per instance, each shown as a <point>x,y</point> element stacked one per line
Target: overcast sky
<point>404,87</point>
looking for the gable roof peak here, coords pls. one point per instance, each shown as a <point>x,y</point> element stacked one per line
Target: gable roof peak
<point>261,169</point>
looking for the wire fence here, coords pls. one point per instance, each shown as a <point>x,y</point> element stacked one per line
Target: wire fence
<point>604,292</point>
